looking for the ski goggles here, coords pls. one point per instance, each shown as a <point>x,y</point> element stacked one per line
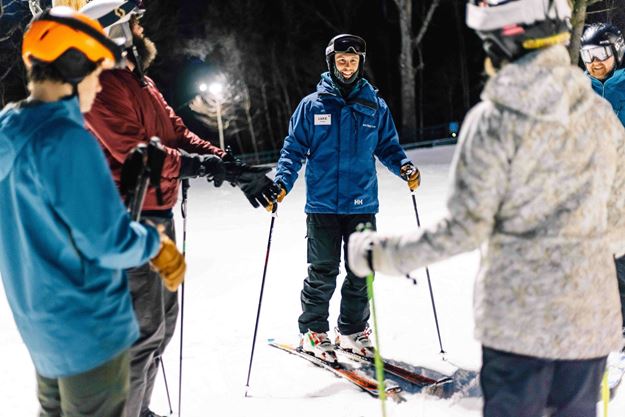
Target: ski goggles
<point>591,53</point>
<point>353,44</point>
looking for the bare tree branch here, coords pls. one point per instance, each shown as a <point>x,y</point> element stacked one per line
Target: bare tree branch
<point>325,19</point>
<point>601,11</point>
<point>426,22</point>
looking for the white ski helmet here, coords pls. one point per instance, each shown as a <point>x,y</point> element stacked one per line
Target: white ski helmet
<point>114,16</point>
<point>512,28</point>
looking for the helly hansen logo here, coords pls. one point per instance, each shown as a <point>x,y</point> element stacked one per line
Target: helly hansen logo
<point>358,202</point>
<point>368,125</point>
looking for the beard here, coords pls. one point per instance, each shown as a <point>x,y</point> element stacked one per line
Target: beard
<point>146,49</point>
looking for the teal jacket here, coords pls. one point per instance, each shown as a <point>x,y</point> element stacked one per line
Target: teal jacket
<point>613,90</point>
<point>65,238</point>
<point>340,138</point>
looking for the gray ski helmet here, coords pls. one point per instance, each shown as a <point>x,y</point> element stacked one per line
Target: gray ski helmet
<point>605,34</point>
<point>346,43</point>
<point>511,28</point>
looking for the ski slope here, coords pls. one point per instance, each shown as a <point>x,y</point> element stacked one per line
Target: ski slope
<point>226,245</point>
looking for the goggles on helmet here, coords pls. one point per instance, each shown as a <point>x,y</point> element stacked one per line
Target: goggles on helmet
<point>352,44</point>
<point>593,52</point>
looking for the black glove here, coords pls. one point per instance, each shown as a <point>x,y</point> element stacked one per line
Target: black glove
<point>209,166</point>
<point>258,188</point>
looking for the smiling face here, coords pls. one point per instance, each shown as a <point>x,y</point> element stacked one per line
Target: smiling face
<point>346,63</point>
<point>600,69</point>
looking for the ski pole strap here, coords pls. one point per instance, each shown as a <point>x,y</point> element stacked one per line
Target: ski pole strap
<point>156,160</point>
<point>183,206</point>
<point>132,169</point>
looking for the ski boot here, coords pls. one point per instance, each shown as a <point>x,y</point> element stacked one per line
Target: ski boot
<point>318,345</point>
<point>358,343</point>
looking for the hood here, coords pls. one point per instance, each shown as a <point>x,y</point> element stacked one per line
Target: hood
<point>543,85</point>
<point>19,122</point>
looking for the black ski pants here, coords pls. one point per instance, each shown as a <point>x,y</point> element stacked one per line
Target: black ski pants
<point>328,235</point>
<point>525,386</point>
<point>157,311</point>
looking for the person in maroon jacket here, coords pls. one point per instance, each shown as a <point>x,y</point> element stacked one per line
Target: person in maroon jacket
<point>129,111</point>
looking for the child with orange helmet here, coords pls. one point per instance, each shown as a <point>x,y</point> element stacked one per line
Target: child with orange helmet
<point>65,236</point>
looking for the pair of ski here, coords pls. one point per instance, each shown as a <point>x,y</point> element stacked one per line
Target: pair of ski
<point>360,378</point>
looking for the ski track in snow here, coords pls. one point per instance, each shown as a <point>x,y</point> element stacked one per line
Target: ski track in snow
<point>226,244</point>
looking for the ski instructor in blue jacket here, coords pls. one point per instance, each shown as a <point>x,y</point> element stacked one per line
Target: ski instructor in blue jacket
<point>338,130</point>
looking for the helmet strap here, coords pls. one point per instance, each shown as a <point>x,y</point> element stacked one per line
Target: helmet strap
<point>138,71</point>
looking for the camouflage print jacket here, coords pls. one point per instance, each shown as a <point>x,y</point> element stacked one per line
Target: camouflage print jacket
<point>539,187</point>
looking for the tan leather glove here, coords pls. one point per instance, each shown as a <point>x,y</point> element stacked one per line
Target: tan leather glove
<point>279,197</point>
<point>169,262</point>
<point>411,174</point>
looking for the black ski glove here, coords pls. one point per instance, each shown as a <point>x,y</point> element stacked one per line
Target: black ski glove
<point>250,179</point>
<point>209,166</point>
<point>259,189</point>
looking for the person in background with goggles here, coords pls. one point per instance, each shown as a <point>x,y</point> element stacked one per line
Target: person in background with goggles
<point>65,236</point>
<point>339,129</point>
<point>602,52</point>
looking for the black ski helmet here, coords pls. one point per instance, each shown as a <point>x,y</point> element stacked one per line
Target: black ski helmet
<point>346,43</point>
<point>510,29</point>
<point>605,34</point>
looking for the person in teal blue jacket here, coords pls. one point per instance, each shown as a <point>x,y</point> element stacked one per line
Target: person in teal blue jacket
<point>339,130</point>
<point>65,235</point>
<point>602,52</point>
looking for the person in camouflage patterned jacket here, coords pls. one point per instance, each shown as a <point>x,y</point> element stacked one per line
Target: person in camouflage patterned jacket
<point>538,186</point>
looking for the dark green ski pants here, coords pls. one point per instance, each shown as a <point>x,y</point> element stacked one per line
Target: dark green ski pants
<point>100,392</point>
<point>328,235</point>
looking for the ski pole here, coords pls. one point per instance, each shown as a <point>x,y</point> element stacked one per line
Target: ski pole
<point>605,393</point>
<point>166,385</point>
<point>427,273</point>
<point>274,212</point>
<point>377,356</point>
<point>183,209</point>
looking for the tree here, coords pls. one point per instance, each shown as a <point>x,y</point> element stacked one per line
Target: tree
<point>410,42</point>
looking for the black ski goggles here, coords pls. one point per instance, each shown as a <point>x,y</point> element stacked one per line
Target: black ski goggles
<point>593,52</point>
<point>352,44</point>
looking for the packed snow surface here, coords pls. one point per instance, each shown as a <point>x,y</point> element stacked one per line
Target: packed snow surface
<point>226,246</point>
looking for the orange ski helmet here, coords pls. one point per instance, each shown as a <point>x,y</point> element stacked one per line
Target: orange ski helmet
<point>71,42</point>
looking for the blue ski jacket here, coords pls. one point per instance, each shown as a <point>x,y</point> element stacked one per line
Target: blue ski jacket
<point>65,237</point>
<point>339,138</point>
<point>613,90</point>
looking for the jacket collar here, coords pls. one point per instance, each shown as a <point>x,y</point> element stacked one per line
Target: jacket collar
<point>362,98</point>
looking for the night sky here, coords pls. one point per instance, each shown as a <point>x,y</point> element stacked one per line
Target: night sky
<point>272,53</point>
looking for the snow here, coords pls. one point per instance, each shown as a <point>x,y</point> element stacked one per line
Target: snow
<point>226,246</point>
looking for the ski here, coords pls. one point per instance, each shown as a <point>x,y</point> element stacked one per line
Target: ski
<point>342,370</point>
<point>424,377</point>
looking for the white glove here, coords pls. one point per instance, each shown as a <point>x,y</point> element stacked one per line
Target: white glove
<point>360,243</point>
